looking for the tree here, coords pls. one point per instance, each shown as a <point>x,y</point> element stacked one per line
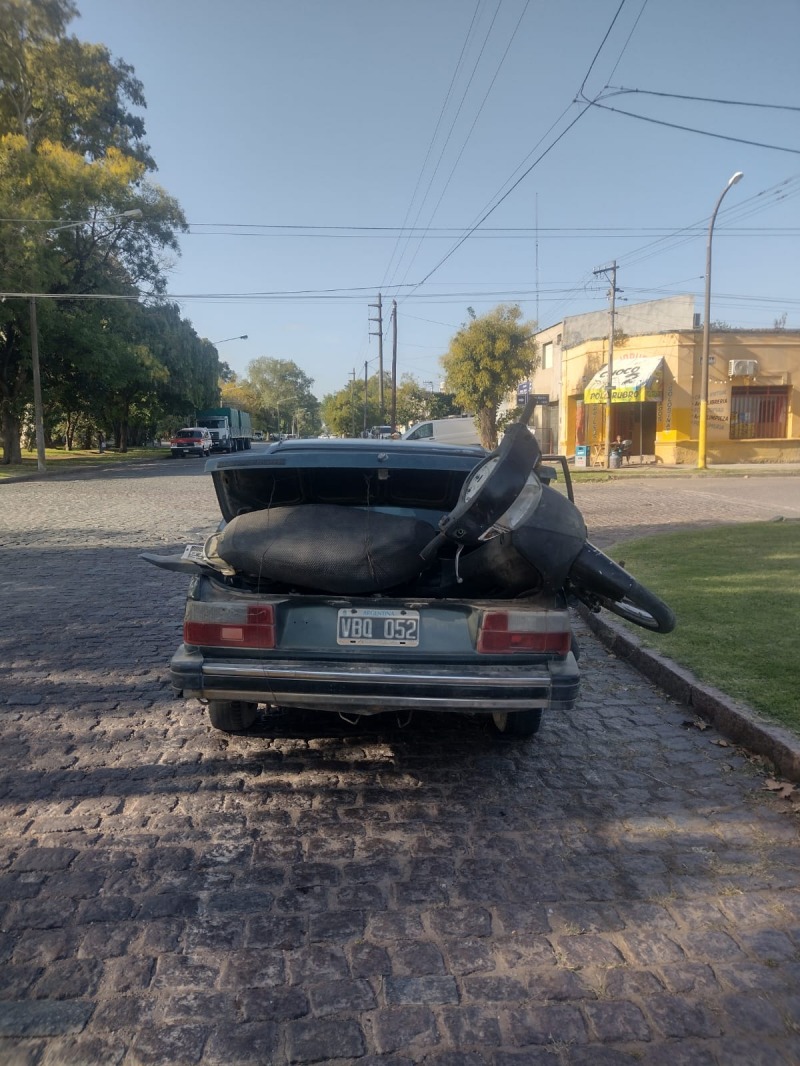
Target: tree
<point>239,393</point>
<point>70,149</point>
<point>283,390</point>
<point>413,401</point>
<point>487,358</point>
<point>343,411</point>
<point>347,413</point>
<point>57,88</point>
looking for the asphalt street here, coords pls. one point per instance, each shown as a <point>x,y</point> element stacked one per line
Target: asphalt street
<point>621,889</point>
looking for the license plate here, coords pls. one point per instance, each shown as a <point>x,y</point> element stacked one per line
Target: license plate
<point>378,627</point>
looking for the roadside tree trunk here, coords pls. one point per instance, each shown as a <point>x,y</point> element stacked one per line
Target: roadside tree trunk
<point>12,452</point>
<point>487,428</point>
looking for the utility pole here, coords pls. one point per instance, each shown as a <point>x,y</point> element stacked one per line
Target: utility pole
<point>352,405</point>
<point>366,364</point>
<point>394,366</point>
<point>610,273</point>
<point>379,334</point>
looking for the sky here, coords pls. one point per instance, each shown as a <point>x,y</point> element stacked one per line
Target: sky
<point>461,153</point>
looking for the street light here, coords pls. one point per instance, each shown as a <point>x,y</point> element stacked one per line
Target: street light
<point>38,412</point>
<point>703,426</point>
<point>226,339</point>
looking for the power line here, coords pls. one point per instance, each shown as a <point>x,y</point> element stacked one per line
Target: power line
<point>432,140</point>
<point>453,123</point>
<point>509,233</point>
<point>692,129</point>
<point>619,90</point>
<point>471,129</point>
<point>524,294</point>
<point>752,205</point>
<point>628,40</point>
<point>505,196</point>
<point>536,162</point>
<point>597,53</point>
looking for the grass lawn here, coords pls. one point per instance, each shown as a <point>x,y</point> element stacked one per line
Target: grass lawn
<point>56,459</point>
<point>736,593</point>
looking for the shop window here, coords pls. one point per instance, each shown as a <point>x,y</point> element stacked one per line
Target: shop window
<point>758,412</point>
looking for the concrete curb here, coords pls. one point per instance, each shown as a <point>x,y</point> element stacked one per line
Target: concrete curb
<point>734,720</point>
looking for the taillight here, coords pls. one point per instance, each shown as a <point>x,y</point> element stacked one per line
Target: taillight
<point>525,631</point>
<point>229,625</point>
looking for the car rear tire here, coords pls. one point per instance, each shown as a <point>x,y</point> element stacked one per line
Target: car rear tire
<point>232,716</point>
<point>517,723</point>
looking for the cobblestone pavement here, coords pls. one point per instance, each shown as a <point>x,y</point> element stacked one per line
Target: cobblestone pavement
<point>619,890</point>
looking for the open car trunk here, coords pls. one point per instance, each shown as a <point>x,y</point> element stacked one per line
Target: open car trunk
<point>353,517</point>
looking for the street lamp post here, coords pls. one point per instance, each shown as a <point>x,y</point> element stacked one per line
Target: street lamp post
<point>702,432</point>
<point>38,410</point>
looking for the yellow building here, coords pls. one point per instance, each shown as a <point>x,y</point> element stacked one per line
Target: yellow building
<point>753,393</point>
<point>753,396</point>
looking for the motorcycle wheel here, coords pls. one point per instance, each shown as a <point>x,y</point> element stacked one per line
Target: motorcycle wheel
<point>644,609</point>
<point>600,582</point>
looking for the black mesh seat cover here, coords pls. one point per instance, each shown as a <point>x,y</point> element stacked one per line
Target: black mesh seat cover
<point>326,547</point>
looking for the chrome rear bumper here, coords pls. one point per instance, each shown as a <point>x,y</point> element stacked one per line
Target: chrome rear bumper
<point>370,688</point>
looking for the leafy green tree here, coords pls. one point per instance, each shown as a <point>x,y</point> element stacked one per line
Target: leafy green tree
<point>191,362</point>
<point>487,357</point>
<point>70,149</point>
<point>239,393</point>
<point>59,89</point>
<point>443,405</point>
<point>413,401</point>
<point>416,403</point>
<point>348,412</point>
<point>342,413</point>
<point>282,391</point>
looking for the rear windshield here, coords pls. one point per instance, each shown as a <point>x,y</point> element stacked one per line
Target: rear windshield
<point>190,433</point>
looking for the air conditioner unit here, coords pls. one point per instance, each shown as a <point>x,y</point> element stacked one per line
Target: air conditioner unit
<point>742,368</point>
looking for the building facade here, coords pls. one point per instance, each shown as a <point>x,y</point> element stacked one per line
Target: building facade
<point>753,394</point>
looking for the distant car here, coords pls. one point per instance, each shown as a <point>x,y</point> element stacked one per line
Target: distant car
<point>363,576</point>
<point>258,435</point>
<point>192,440</point>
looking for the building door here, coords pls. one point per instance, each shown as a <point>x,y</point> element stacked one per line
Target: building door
<point>636,422</point>
<point>548,439</point>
